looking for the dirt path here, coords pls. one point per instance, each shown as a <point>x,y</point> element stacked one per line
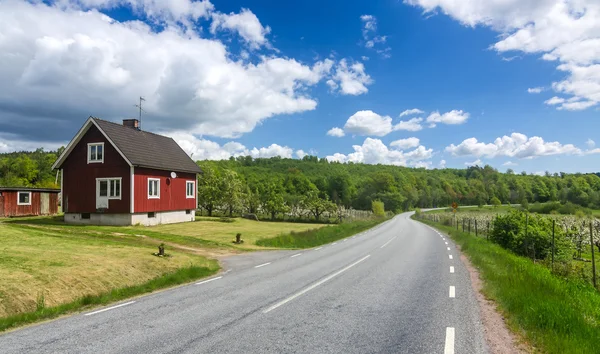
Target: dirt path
<point>499,338</point>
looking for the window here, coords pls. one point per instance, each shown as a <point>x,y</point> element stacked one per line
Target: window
<point>24,198</point>
<point>153,188</point>
<point>188,211</point>
<point>190,189</point>
<point>109,187</point>
<point>85,216</point>
<point>151,214</point>
<point>95,153</point>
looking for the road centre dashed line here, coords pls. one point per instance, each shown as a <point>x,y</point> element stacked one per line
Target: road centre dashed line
<point>208,280</point>
<point>262,265</point>
<point>314,285</point>
<point>109,308</point>
<point>452,292</point>
<point>449,345</point>
<point>450,256</point>
<point>385,244</point>
<point>296,255</point>
<point>316,249</point>
<point>448,248</point>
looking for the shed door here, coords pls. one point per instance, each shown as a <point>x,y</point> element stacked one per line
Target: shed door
<point>102,194</point>
<point>44,203</point>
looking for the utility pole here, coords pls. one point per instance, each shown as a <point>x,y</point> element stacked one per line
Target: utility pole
<point>141,110</point>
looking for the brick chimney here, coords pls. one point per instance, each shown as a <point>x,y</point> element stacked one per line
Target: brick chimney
<point>132,123</point>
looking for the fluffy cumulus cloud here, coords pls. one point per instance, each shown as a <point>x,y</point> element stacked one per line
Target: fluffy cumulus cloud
<point>442,164</point>
<point>452,117</point>
<point>590,143</point>
<point>516,145</point>
<point>405,143</point>
<point>374,151</point>
<point>411,125</point>
<point>477,162</point>
<point>203,149</point>
<point>62,62</point>
<point>509,163</point>
<point>535,90</point>
<point>368,123</point>
<point>245,23</point>
<point>337,132</point>
<point>562,31</point>
<point>350,78</point>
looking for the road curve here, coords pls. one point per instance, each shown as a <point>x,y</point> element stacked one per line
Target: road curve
<point>387,290</point>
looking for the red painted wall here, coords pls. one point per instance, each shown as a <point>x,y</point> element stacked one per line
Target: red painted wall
<point>79,179</point>
<point>172,195</point>
<point>10,206</point>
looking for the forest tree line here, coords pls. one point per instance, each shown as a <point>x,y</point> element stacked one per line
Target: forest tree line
<point>276,185</point>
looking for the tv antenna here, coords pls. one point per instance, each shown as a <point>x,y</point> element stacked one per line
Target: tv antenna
<point>141,110</point>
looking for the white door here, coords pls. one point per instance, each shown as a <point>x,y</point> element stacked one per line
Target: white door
<point>102,194</point>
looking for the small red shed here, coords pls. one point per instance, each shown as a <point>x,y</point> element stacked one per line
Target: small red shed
<point>15,201</point>
<point>117,174</point>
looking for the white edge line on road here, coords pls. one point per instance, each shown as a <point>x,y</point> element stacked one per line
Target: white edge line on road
<point>333,244</point>
<point>345,240</point>
<point>450,256</point>
<point>449,347</point>
<point>451,269</point>
<point>208,280</point>
<point>109,308</point>
<point>296,255</point>
<point>452,291</point>
<point>262,265</point>
<point>316,249</point>
<point>314,285</point>
<point>385,244</point>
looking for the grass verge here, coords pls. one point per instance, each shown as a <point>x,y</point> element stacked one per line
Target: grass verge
<point>317,237</point>
<point>555,315</point>
<point>180,276</point>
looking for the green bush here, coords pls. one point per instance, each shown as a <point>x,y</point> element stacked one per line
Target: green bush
<point>534,240</point>
<point>378,208</point>
<point>495,202</point>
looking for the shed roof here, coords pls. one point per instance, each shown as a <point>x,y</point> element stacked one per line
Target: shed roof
<point>29,189</point>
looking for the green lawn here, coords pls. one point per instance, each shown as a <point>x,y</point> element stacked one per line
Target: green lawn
<point>60,267</point>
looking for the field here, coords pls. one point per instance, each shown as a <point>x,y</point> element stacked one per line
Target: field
<point>44,268</point>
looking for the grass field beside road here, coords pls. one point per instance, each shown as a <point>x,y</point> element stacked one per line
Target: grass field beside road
<point>41,267</point>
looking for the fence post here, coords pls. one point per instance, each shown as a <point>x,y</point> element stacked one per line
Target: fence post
<point>469,226</point>
<point>526,233</point>
<point>593,259</point>
<point>475,227</point>
<point>487,234</point>
<point>553,224</point>
<point>463,225</point>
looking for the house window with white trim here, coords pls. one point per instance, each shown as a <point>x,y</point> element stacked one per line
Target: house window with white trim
<point>153,188</point>
<point>190,189</point>
<point>95,153</point>
<point>24,198</point>
<point>109,187</point>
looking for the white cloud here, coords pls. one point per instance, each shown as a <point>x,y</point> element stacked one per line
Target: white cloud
<point>301,154</point>
<point>509,163</point>
<point>64,63</point>
<point>566,31</point>
<point>407,143</point>
<point>351,78</point>
<point>590,143</point>
<point>477,162</point>
<point>554,101</point>
<point>516,145</point>
<point>535,90</point>
<point>337,132</point>
<point>452,117</point>
<point>370,37</point>
<point>203,149</point>
<point>411,112</point>
<point>12,143</point>
<point>368,123</point>
<point>364,58</point>
<point>245,23</point>
<point>412,125</point>
<point>442,164</point>
<point>374,151</point>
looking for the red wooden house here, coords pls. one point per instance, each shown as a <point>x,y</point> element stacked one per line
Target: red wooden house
<point>113,174</point>
<point>28,201</point>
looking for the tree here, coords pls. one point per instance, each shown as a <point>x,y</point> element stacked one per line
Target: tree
<point>232,188</point>
<point>495,202</point>
<point>272,198</point>
<point>317,206</point>
<point>378,208</point>
<point>210,191</point>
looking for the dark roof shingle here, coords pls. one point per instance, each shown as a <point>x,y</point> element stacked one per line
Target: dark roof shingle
<point>147,149</point>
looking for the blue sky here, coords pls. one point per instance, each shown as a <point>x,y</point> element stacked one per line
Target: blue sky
<point>228,78</point>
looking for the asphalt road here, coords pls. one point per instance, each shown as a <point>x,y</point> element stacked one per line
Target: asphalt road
<point>387,290</point>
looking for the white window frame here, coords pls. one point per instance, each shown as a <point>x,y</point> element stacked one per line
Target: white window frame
<point>108,181</point>
<point>187,183</point>
<point>89,153</point>
<point>150,180</point>
<point>19,198</point>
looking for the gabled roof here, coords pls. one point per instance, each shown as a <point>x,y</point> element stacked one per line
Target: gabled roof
<point>137,147</point>
<point>29,189</point>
